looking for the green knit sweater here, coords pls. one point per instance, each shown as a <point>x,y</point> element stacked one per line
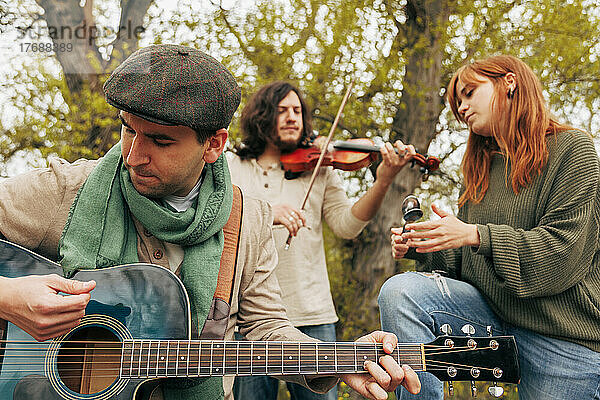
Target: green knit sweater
<point>538,261</point>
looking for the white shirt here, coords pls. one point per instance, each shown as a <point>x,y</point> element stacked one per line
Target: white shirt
<point>301,270</point>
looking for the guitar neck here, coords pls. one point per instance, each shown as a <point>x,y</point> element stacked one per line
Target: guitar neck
<point>185,358</point>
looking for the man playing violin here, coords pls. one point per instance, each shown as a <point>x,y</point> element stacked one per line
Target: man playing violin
<point>276,120</point>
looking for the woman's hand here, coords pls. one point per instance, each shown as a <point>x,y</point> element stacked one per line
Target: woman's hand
<point>399,246</point>
<point>446,233</point>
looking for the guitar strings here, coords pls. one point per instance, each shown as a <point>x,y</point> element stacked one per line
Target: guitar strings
<point>246,345</point>
<point>173,372</point>
<point>153,367</point>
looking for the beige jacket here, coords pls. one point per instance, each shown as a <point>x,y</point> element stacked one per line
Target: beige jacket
<point>33,211</point>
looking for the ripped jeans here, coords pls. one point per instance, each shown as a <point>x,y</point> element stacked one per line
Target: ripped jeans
<point>415,305</point>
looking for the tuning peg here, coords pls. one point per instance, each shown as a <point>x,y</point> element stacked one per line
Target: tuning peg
<point>447,330</point>
<point>468,329</point>
<point>495,390</point>
<point>473,389</point>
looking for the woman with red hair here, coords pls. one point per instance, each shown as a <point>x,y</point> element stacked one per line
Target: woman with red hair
<point>521,257</point>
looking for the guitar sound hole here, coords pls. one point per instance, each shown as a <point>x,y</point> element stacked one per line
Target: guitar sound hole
<point>89,361</point>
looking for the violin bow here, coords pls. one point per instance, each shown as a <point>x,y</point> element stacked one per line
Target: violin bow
<point>322,155</point>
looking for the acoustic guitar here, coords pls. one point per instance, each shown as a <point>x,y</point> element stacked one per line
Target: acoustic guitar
<point>137,329</point>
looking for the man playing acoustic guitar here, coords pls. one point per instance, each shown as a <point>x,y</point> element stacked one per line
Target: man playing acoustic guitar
<point>162,195</point>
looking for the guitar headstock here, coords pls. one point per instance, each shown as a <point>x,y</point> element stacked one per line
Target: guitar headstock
<point>458,358</point>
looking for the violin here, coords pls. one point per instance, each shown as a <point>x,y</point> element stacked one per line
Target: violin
<point>305,159</point>
<point>349,155</point>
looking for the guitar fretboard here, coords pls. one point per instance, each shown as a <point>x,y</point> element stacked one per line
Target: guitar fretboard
<point>184,358</point>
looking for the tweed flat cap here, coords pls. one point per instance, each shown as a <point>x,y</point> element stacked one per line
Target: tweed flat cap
<point>174,85</point>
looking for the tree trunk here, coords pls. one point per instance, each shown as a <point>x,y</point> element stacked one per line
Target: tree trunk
<point>414,123</point>
<point>73,27</point>
<point>69,26</point>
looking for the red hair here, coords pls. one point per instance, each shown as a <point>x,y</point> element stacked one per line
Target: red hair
<point>519,125</point>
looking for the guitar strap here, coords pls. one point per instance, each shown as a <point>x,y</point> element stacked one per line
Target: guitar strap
<point>218,315</point>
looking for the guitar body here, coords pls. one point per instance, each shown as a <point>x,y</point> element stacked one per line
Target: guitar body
<point>130,301</point>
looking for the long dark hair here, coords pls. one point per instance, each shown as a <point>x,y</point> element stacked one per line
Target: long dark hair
<point>259,119</point>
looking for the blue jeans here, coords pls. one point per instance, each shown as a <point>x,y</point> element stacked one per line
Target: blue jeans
<point>414,306</point>
<point>266,387</point>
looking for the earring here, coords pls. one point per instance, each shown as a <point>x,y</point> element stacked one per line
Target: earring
<point>511,91</point>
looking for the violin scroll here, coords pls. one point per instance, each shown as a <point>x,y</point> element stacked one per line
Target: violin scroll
<point>427,163</point>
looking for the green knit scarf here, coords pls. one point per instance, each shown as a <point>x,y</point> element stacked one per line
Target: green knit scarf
<point>100,233</point>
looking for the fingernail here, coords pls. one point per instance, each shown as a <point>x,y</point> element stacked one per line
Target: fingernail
<point>388,347</point>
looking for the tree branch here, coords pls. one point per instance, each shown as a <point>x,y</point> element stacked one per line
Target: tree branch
<point>223,14</point>
<point>78,64</point>
<point>132,18</point>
